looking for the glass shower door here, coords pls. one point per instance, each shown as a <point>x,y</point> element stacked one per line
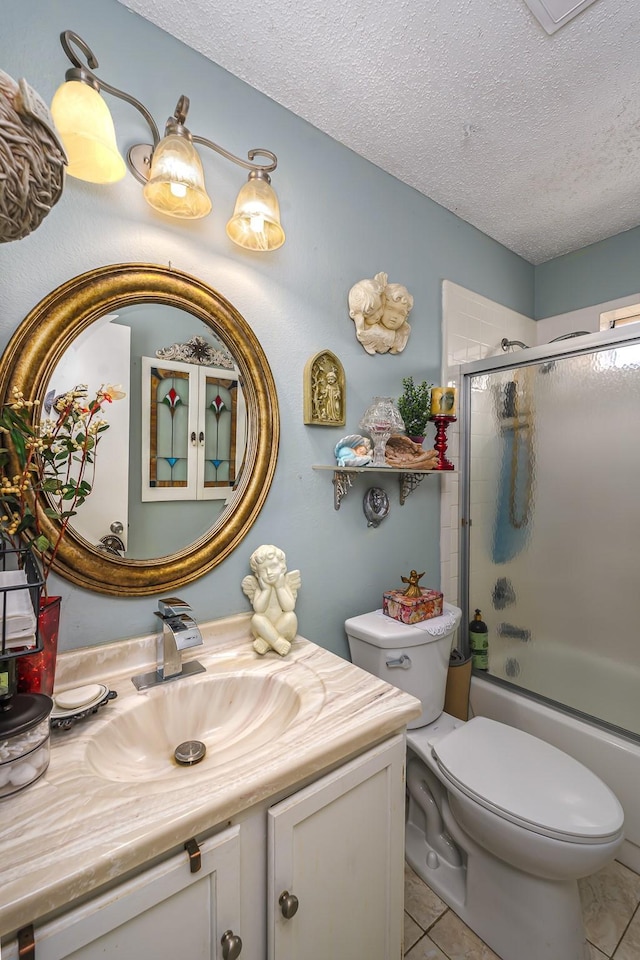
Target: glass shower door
<point>554,541</point>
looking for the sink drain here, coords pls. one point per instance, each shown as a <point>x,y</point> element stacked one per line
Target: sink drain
<point>190,752</point>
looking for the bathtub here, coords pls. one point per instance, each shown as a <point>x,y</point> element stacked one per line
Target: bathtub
<point>613,758</point>
<point>587,681</point>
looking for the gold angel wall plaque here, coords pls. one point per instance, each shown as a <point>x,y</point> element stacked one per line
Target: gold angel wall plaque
<point>324,391</point>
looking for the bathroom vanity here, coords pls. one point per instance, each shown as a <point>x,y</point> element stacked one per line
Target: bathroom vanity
<point>286,841</point>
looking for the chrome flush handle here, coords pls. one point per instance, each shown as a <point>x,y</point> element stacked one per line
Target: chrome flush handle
<point>403,662</point>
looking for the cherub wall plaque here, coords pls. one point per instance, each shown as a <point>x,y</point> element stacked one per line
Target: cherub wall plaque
<point>379,310</point>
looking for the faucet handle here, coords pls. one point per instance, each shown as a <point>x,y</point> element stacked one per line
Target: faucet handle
<point>172,606</point>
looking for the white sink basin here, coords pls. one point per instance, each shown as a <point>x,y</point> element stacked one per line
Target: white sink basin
<point>233,714</point>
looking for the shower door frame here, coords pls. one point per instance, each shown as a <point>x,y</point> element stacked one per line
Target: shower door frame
<point>561,349</point>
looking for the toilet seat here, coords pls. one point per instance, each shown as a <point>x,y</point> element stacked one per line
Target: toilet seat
<point>528,782</point>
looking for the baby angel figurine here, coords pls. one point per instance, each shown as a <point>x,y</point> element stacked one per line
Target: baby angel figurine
<point>273,592</point>
<point>353,451</point>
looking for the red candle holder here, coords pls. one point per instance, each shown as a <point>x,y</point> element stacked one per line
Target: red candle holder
<point>440,445</point>
<point>37,671</point>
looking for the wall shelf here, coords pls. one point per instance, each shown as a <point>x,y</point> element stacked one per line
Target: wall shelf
<point>343,478</point>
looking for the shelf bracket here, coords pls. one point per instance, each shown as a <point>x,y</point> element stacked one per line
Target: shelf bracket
<point>342,480</point>
<point>408,483</point>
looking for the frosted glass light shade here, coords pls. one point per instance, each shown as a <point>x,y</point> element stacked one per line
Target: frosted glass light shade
<point>176,180</point>
<point>83,120</point>
<point>255,223</point>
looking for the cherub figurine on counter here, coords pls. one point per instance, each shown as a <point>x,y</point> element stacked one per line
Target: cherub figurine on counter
<point>413,590</point>
<point>273,592</point>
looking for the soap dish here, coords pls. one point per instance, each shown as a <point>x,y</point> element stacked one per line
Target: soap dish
<point>62,719</point>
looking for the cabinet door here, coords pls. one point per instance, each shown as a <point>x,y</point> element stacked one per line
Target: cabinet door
<point>169,430</point>
<point>193,431</point>
<point>338,847</point>
<point>165,912</point>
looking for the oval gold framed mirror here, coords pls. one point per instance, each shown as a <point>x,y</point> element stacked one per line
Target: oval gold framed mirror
<point>51,330</point>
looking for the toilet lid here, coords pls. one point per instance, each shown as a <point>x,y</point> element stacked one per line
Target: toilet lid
<point>528,781</point>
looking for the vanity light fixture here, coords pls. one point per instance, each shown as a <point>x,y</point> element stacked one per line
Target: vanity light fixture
<point>170,168</point>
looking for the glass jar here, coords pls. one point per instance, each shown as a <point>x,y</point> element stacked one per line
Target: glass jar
<point>24,741</point>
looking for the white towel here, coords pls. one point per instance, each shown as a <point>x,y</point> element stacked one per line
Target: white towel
<point>17,610</point>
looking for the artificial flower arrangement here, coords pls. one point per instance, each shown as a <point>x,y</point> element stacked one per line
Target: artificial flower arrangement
<point>56,459</point>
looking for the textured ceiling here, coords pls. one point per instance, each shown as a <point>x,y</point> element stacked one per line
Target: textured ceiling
<point>534,139</point>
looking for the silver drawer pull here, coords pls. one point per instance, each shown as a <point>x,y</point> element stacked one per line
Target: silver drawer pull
<point>404,662</point>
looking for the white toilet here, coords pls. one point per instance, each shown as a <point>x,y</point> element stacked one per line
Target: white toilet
<point>499,823</point>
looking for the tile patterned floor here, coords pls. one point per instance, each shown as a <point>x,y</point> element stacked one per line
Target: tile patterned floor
<point>610,905</point>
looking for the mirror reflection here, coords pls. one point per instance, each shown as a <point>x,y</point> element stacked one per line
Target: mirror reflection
<point>169,464</point>
<point>187,461</point>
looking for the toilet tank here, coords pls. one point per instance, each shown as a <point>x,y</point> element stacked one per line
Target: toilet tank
<point>413,657</point>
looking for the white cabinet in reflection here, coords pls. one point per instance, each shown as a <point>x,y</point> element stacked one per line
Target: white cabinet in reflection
<point>193,431</point>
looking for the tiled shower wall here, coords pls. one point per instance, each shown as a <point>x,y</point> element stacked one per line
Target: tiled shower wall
<point>473,328</point>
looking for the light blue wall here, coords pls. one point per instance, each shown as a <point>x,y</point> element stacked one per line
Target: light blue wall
<point>345,220</point>
<point>603,271</point>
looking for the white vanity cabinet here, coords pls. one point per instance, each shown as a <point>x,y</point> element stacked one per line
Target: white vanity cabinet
<point>165,912</point>
<point>317,874</point>
<point>336,863</point>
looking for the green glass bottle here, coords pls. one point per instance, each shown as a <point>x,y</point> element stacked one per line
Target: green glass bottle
<point>479,642</point>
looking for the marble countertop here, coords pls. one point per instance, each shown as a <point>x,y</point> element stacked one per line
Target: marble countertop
<point>77,829</point>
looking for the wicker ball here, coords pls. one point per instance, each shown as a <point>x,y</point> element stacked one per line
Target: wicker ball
<point>31,167</point>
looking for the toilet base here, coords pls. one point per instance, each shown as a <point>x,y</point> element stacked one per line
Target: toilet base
<point>521,917</point>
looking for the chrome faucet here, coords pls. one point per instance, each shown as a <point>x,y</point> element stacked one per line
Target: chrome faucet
<point>179,632</point>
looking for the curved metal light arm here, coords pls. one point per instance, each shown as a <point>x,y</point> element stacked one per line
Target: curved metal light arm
<point>140,155</point>
<point>85,73</point>
<point>257,151</point>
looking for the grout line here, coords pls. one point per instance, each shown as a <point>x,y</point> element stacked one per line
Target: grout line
<point>431,925</point>
<point>426,935</point>
<point>425,931</point>
<point>622,936</point>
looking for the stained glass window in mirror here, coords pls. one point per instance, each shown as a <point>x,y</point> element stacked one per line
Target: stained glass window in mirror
<point>169,423</point>
<point>193,431</point>
<point>220,427</point>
